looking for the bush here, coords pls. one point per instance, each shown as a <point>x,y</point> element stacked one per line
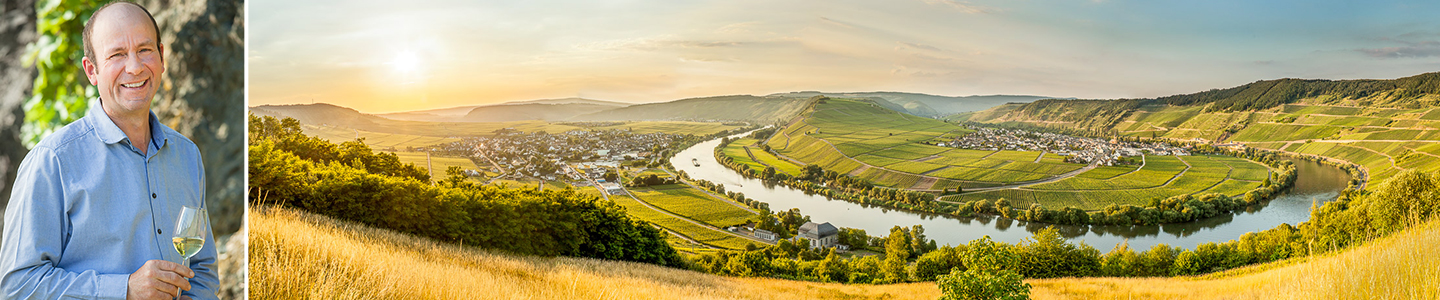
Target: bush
<point>986,277</point>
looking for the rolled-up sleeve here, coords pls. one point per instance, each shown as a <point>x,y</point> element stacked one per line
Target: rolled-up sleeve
<point>36,232</point>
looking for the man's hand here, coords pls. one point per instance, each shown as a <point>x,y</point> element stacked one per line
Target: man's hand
<point>158,279</point>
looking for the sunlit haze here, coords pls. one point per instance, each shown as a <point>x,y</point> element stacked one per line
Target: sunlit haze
<point>386,56</point>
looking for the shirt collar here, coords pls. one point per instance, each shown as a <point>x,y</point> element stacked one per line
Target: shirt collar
<point>111,133</point>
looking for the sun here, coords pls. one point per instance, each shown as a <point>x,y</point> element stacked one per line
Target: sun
<point>406,63</point>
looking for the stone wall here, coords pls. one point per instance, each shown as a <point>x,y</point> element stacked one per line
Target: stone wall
<point>17,28</point>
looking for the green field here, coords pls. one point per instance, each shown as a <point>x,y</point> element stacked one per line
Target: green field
<point>441,163</point>
<point>844,135</point>
<point>683,200</point>
<point>533,183</point>
<point>736,151</point>
<point>757,159</point>
<point>375,139</point>
<point>1103,186</point>
<point>781,165</point>
<point>699,233</point>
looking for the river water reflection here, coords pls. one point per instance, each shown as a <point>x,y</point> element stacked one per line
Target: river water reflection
<point>1316,183</point>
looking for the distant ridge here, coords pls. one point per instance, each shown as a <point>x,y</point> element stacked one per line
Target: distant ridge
<point>1407,92</point>
<point>761,109</point>
<point>717,108</point>
<point>540,109</point>
<point>927,105</point>
<point>322,114</point>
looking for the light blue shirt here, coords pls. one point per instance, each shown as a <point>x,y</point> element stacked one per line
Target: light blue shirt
<point>88,209</point>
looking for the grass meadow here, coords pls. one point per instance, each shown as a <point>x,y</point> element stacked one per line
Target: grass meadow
<point>297,255</point>
<point>1403,266</point>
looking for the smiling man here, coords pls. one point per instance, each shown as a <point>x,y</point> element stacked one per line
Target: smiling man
<point>95,202</point>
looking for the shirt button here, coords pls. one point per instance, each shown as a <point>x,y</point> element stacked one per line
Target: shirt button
<point>157,230</point>
<point>152,195</point>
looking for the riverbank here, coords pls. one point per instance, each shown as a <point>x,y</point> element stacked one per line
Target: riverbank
<point>1291,207</point>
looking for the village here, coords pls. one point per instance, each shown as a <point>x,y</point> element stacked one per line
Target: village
<point>1075,149</point>
<point>541,155</point>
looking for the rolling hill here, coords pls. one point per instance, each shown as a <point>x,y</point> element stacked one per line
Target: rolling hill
<point>1383,126</point>
<point>542,109</point>
<point>326,114</point>
<point>725,108</point>
<point>532,111</point>
<point>926,105</point>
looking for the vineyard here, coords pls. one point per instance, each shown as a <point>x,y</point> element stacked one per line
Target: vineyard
<point>1161,177</point>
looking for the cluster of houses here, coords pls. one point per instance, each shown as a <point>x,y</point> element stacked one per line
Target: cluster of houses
<point>1075,149</point>
<point>543,155</point>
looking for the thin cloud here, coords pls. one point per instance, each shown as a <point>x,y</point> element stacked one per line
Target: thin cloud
<point>739,28</point>
<point>660,42</point>
<point>962,6</point>
<point>836,23</point>
<point>1409,50</point>
<point>919,46</point>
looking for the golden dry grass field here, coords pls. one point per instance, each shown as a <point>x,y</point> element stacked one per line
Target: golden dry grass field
<point>1403,266</point>
<point>297,255</point>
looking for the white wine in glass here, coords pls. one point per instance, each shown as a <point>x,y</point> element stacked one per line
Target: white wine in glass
<point>190,229</point>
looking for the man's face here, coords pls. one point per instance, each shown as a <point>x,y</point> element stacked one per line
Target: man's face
<point>127,63</point>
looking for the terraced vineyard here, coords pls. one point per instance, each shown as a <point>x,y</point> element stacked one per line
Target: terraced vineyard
<point>1160,177</point>
<point>1383,140</point>
<point>891,149</point>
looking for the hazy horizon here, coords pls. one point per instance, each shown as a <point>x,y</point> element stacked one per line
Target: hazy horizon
<point>441,54</point>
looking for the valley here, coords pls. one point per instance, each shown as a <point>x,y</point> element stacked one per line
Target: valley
<point>735,186</point>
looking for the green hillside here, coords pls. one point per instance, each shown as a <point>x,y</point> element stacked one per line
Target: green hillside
<point>926,105</point>
<point>1382,126</point>
<point>863,139</point>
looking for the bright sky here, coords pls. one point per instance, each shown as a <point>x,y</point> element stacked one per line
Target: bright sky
<point>386,56</point>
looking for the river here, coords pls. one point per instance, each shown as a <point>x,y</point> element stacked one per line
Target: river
<point>1316,183</point>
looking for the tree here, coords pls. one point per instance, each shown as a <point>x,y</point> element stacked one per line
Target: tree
<point>918,243</point>
<point>454,176</point>
<point>897,254</point>
<point>61,93</point>
<point>986,276</point>
<point>939,262</point>
<point>832,269</point>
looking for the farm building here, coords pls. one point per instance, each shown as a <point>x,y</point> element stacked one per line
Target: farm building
<point>612,188</point>
<point>820,235</point>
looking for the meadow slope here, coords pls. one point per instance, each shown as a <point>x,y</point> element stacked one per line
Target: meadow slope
<point>297,255</point>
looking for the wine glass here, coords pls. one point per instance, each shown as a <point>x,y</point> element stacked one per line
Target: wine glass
<point>190,229</point>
